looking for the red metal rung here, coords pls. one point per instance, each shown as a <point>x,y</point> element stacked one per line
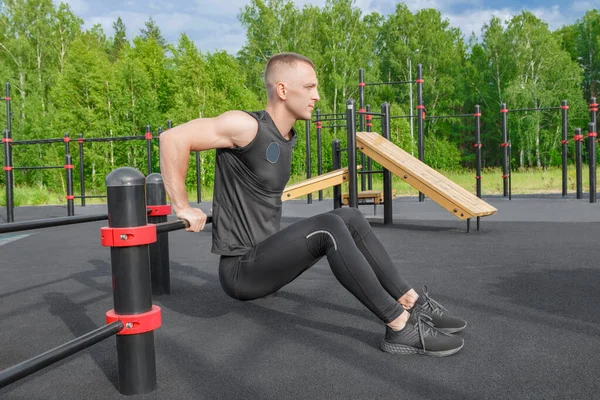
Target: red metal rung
<point>127,237</point>
<point>159,211</point>
<point>137,323</point>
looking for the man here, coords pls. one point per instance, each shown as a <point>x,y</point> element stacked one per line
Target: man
<point>254,154</point>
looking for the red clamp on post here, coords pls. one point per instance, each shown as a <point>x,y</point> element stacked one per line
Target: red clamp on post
<point>68,166</point>
<point>477,114</point>
<point>593,107</point>
<point>127,237</point>
<point>369,124</point>
<point>362,110</point>
<point>148,136</point>
<point>477,177</point>
<point>80,140</point>
<point>8,168</point>
<point>578,138</point>
<point>361,84</point>
<point>159,211</point>
<point>369,117</point>
<point>6,140</point>
<point>564,142</point>
<point>420,107</point>
<point>504,176</point>
<point>319,125</point>
<point>420,80</point>
<point>477,145</point>
<point>503,144</point>
<point>7,98</point>
<point>70,197</point>
<point>135,324</point>
<point>564,107</point>
<point>504,110</point>
<point>66,139</point>
<point>592,134</point>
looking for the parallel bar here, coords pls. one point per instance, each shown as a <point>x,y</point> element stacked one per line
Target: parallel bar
<point>578,163</point>
<point>592,159</point>
<point>370,160</point>
<point>319,155</point>
<point>420,120</point>
<point>115,139</point>
<point>176,225</point>
<point>565,123</point>
<point>387,175</point>
<point>308,159</point>
<point>361,119</point>
<point>449,116</point>
<point>40,167</point>
<point>337,115</point>
<point>50,357</point>
<point>503,111</point>
<point>351,129</point>
<point>404,116</point>
<point>387,83</point>
<point>81,171</point>
<point>38,141</point>
<point>370,113</point>
<point>534,109</point>
<point>50,222</point>
<point>90,197</point>
<point>8,173</point>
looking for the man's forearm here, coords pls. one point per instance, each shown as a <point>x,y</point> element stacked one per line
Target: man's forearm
<point>174,159</point>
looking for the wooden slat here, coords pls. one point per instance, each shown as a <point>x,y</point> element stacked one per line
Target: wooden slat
<point>451,196</point>
<point>315,184</point>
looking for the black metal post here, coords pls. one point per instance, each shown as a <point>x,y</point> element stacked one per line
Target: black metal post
<point>352,170</point>
<point>478,154</point>
<point>509,170</point>
<point>361,119</point>
<point>420,120</point>
<point>308,157</point>
<point>198,179</point>
<point>149,149</point>
<point>505,161</point>
<point>369,126</point>
<point>81,170</point>
<point>156,195</point>
<point>592,136</point>
<point>50,357</point>
<point>565,178</point>
<point>69,176</point>
<point>387,175</point>
<point>578,138</point>
<point>319,153</point>
<point>594,113</point>
<point>336,164</point>
<point>132,291</point>
<point>8,172</point>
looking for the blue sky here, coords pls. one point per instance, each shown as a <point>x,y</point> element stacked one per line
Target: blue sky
<point>213,24</point>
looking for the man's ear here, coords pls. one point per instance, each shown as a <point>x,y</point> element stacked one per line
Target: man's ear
<point>281,90</point>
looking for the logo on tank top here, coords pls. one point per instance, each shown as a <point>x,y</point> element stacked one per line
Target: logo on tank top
<point>273,153</point>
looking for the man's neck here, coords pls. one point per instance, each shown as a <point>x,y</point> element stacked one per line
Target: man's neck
<point>283,120</point>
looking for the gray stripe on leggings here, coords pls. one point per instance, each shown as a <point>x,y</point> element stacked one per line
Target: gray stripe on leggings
<point>327,233</point>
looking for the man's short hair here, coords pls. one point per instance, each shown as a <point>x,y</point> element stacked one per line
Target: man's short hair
<point>289,59</point>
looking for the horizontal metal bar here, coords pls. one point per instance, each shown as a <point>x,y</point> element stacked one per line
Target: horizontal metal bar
<point>370,113</point>
<point>388,83</point>
<point>449,116</point>
<point>328,115</point>
<point>38,141</point>
<point>50,222</point>
<point>328,119</point>
<point>176,225</point>
<point>535,109</point>
<point>90,197</point>
<point>115,139</point>
<point>333,126</point>
<point>50,357</point>
<point>404,116</point>
<point>41,167</point>
<point>371,172</point>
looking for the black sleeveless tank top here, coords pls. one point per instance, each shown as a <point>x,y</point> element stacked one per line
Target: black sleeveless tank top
<point>248,185</point>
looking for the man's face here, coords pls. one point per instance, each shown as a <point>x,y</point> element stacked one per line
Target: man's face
<point>301,90</point>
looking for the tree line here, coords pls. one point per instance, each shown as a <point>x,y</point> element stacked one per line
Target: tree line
<point>100,84</point>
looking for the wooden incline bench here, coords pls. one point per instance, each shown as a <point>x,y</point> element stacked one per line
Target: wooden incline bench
<point>451,196</point>
<point>315,184</point>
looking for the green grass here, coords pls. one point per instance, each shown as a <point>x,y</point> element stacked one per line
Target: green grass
<point>526,181</point>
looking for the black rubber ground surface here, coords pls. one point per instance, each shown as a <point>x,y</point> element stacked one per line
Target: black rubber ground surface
<point>527,283</point>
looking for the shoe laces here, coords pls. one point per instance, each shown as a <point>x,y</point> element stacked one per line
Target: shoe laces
<point>431,305</point>
<point>425,327</point>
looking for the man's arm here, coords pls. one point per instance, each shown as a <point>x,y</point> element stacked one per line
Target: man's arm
<point>230,129</point>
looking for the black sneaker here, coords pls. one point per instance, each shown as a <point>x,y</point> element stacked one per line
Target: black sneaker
<point>440,317</point>
<point>419,336</point>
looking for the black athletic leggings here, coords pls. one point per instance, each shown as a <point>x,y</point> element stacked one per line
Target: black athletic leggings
<point>356,257</point>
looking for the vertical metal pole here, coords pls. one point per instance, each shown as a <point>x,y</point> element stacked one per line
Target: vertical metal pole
<point>69,176</point>
<point>420,119</point>
<point>361,120</point>
<point>336,164</point>
<point>351,128</point>
<point>156,195</point>
<point>509,170</point>
<point>319,151</point>
<point>369,125</point>
<point>159,132</point>
<point>198,180</point>
<point>478,154</point>
<point>8,171</point>
<point>592,136</point>
<point>308,157</point>
<point>578,138</point>
<point>387,175</point>
<point>504,112</point>
<point>564,113</point>
<point>81,170</point>
<point>132,291</point>
<point>149,149</point>
<point>594,113</point>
